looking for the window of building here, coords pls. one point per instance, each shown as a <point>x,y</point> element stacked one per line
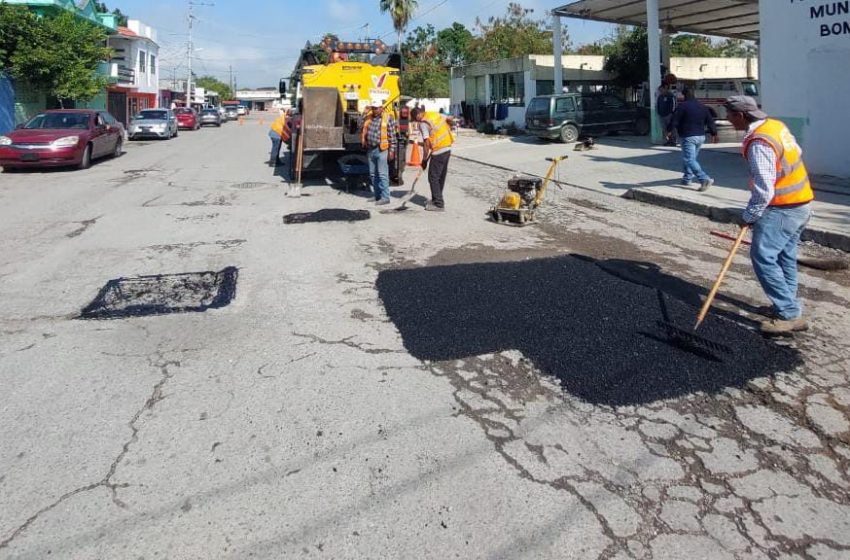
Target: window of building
<point>143,57</point>
<point>153,64</point>
<point>508,88</point>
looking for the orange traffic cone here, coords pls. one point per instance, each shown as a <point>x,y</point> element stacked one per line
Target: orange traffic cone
<point>415,159</point>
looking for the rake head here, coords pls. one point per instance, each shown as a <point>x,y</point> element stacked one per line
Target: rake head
<point>692,341</point>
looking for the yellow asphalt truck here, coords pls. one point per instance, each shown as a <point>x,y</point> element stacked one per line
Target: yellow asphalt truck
<point>332,98</point>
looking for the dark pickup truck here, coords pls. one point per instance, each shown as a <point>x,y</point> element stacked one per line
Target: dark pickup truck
<point>570,116</point>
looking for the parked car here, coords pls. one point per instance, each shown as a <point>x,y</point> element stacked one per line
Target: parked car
<point>62,137</point>
<point>187,118</point>
<point>241,110</point>
<point>153,123</point>
<point>231,112</point>
<point>570,116</point>
<point>210,116</point>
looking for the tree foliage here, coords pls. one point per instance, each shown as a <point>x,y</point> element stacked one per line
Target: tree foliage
<point>628,56</point>
<point>59,54</point>
<point>426,73</point>
<point>687,45</point>
<point>17,25</point>
<point>401,12</point>
<point>210,83</point>
<point>515,34</point>
<point>453,44</point>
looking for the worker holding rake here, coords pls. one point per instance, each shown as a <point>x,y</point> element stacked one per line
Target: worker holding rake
<point>778,210</point>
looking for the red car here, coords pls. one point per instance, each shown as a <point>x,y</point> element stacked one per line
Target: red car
<point>62,137</point>
<point>187,118</point>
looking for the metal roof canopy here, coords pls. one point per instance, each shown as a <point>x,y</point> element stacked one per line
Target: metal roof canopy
<point>737,19</point>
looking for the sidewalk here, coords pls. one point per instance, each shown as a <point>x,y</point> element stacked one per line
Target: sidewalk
<point>631,167</point>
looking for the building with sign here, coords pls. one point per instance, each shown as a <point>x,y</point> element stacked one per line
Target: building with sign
<point>804,57</point>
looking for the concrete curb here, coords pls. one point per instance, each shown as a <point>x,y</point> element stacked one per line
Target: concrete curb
<point>826,238</point>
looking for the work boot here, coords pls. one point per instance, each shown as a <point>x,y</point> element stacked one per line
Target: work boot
<point>431,207</point>
<point>705,185</point>
<point>778,326</point>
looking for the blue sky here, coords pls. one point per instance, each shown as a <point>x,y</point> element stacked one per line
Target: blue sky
<point>262,38</point>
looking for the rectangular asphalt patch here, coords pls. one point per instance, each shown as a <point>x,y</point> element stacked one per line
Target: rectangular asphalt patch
<point>327,215</point>
<point>163,294</point>
<point>592,325</point>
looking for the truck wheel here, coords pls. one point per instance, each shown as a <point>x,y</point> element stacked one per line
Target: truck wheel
<point>569,133</point>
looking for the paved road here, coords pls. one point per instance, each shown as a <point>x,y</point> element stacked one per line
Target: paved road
<point>414,385</point>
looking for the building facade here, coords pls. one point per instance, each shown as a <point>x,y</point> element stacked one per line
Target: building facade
<point>498,91</point>
<point>133,70</point>
<point>805,50</point>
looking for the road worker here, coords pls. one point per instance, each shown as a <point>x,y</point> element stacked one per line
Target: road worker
<point>437,136</point>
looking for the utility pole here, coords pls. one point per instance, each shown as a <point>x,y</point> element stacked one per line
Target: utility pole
<point>191,49</point>
<point>230,83</point>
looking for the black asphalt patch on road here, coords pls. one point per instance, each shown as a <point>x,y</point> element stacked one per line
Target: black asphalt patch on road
<point>163,294</point>
<point>327,215</point>
<point>593,331</point>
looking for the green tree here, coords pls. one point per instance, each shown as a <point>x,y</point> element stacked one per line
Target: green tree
<point>213,84</point>
<point>737,48</point>
<point>453,44</point>
<point>401,12</point>
<point>426,74</point>
<point>687,45</point>
<point>61,55</point>
<point>595,49</point>
<point>513,35</point>
<point>628,54</point>
<point>17,26</point>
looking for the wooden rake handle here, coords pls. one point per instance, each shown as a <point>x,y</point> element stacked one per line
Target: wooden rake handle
<point>710,299</point>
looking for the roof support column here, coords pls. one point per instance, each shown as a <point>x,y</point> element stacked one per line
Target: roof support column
<point>557,48</point>
<point>654,38</point>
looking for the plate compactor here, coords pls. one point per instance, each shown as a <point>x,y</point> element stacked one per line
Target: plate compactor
<point>524,195</point>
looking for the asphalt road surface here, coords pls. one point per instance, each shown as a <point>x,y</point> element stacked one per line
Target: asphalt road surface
<point>187,375</point>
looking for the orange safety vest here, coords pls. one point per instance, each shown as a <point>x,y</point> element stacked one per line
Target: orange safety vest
<point>441,133</point>
<point>792,180</point>
<point>385,138</point>
<point>279,124</point>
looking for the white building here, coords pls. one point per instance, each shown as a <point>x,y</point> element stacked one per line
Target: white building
<point>806,78</point>
<point>804,55</point>
<point>134,70</point>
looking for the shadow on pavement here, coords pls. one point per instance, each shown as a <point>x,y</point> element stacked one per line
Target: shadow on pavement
<point>577,320</point>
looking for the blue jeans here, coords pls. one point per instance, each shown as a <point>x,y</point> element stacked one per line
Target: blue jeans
<point>691,146</point>
<point>774,255</point>
<point>275,138</point>
<point>379,172</point>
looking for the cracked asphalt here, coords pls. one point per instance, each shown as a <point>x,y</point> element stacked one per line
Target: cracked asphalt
<point>414,385</point>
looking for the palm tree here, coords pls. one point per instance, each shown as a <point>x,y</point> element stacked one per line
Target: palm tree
<point>401,11</point>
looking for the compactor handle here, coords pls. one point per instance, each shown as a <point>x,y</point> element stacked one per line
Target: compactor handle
<point>559,158</point>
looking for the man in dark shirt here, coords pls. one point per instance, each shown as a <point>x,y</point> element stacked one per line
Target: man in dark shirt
<point>690,120</point>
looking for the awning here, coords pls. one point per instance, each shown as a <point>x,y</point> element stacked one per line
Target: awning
<point>725,18</point>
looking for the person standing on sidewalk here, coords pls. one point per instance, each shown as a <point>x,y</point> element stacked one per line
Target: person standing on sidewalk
<point>379,137</point>
<point>690,120</point>
<point>778,210</point>
<point>438,138</point>
<point>665,107</point>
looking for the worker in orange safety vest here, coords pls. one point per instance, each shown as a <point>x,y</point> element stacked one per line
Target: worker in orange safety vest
<point>278,133</point>
<point>379,137</point>
<point>437,135</point>
<point>778,210</point>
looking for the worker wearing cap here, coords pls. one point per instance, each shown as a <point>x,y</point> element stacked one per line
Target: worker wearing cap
<point>778,210</point>
<point>379,138</point>
<point>438,138</point>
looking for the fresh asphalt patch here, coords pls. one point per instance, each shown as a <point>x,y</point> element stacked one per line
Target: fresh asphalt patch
<point>327,215</point>
<point>576,321</point>
<point>163,294</point>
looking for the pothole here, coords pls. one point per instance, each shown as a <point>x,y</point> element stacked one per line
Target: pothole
<point>327,215</point>
<point>163,294</point>
<point>250,186</point>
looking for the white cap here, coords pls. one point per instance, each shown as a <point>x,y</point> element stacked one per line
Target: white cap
<point>375,102</point>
